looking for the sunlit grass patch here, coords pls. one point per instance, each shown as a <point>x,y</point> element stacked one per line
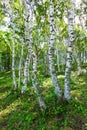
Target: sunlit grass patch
<point>61,76</point>
<point>9,108</point>
<point>3,95</point>
<point>1,78</point>
<point>19,112</point>
<point>47,83</point>
<point>8,72</point>
<point>76,93</point>
<point>5,83</point>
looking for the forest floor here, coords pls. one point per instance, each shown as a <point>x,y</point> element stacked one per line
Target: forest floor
<point>21,112</point>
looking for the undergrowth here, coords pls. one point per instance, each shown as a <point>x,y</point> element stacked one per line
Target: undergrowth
<point>21,112</point>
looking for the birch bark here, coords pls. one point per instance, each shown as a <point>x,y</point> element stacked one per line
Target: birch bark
<point>9,14</point>
<point>20,65</point>
<point>13,66</point>
<point>35,82</point>
<point>30,7</point>
<point>51,53</point>
<point>69,52</point>
<point>28,32</point>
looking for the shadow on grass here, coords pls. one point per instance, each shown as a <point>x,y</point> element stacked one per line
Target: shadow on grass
<point>7,100</point>
<point>84,76</point>
<point>27,116</point>
<point>3,89</point>
<point>24,113</point>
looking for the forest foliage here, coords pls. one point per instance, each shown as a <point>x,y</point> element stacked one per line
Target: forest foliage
<point>43,64</point>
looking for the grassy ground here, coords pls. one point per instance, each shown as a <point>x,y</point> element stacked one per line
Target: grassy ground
<point>21,112</point>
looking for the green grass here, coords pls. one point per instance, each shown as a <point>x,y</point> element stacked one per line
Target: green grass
<point>21,112</point>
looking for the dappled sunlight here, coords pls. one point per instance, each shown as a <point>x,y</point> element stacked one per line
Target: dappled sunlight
<point>10,108</point>
<point>3,95</point>
<point>1,78</point>
<point>74,74</point>
<point>76,93</point>
<point>8,72</point>
<point>43,65</point>
<point>61,76</point>
<point>47,83</point>
<point>83,84</point>
<point>81,80</point>
<point>23,110</point>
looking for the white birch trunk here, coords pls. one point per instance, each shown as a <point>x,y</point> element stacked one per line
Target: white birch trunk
<point>10,16</point>
<point>83,16</point>
<point>34,75</point>
<point>46,63</point>
<point>29,5</point>
<point>26,67</point>
<point>28,75</point>
<point>13,66</point>
<point>69,53</point>
<point>20,65</point>
<point>28,31</point>
<point>35,82</point>
<point>51,53</point>
<point>84,56</point>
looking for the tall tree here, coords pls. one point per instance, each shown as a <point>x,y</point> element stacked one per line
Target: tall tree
<point>20,63</point>
<point>30,7</point>
<point>69,52</point>
<point>51,52</point>
<point>9,14</point>
<point>28,18</point>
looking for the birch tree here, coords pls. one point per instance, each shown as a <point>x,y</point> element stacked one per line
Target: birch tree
<point>51,52</point>
<point>9,15</point>
<point>69,52</point>
<point>13,66</point>
<point>30,7</point>
<point>35,82</point>
<point>20,63</point>
<point>28,31</point>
